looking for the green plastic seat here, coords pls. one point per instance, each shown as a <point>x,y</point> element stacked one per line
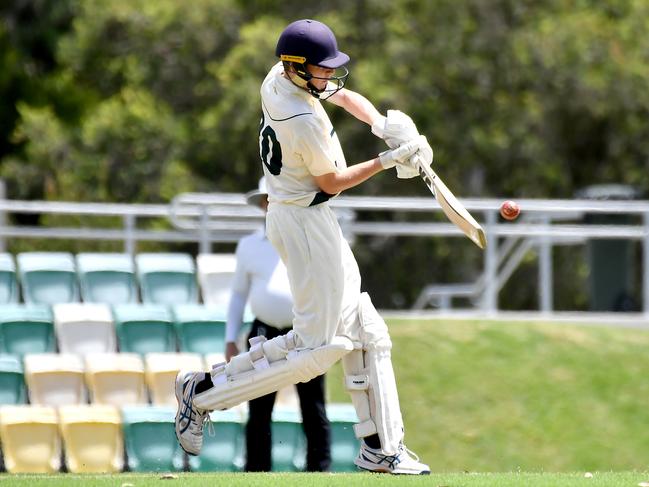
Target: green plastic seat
<point>48,277</point>
<point>144,328</point>
<point>167,278</point>
<point>344,444</point>
<point>8,281</point>
<point>26,329</point>
<point>223,451</point>
<point>200,329</point>
<point>107,278</point>
<point>12,380</point>
<point>150,439</point>
<point>288,443</point>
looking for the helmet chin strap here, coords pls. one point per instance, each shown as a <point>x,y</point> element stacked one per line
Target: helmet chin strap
<point>301,78</point>
<point>314,91</point>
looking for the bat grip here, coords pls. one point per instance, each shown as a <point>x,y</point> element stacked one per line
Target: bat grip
<point>422,167</point>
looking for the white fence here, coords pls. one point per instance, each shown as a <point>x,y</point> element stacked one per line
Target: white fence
<point>211,218</point>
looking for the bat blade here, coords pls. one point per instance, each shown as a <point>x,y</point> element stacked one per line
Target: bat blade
<point>452,208</point>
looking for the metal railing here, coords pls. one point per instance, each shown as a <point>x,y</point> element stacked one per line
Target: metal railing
<point>206,219</point>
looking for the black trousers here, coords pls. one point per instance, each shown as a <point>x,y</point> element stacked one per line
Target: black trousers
<point>314,420</point>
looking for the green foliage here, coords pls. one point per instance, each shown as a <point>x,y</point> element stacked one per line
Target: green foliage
<point>517,98</point>
<point>224,141</point>
<point>50,153</point>
<point>136,101</point>
<point>10,80</point>
<point>125,148</point>
<point>520,98</point>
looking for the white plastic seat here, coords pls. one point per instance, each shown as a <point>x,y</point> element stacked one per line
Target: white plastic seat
<point>48,277</point>
<point>55,379</point>
<point>84,328</point>
<point>215,273</point>
<point>116,379</point>
<point>30,439</point>
<point>107,278</point>
<point>213,358</point>
<point>167,278</point>
<point>161,370</point>
<point>287,397</point>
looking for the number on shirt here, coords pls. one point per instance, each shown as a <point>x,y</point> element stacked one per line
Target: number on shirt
<point>269,149</point>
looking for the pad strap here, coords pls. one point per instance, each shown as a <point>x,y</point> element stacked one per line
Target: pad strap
<point>357,382</point>
<point>218,373</point>
<point>255,340</point>
<point>258,358</point>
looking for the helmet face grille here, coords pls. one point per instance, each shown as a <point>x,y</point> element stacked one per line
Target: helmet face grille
<point>335,83</point>
<point>312,42</point>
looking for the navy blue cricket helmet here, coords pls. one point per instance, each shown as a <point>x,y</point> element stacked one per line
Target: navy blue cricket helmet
<point>311,42</point>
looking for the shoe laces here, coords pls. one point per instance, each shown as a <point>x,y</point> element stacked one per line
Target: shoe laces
<point>210,425</point>
<point>409,452</point>
<point>199,418</point>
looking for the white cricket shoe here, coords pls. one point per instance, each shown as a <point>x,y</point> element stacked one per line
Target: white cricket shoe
<point>404,462</point>
<point>189,419</point>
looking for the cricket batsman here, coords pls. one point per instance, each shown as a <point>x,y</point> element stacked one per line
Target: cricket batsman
<point>304,167</point>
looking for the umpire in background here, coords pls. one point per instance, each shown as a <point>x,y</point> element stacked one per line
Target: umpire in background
<point>261,277</point>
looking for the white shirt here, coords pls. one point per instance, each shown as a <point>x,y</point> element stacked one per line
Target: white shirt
<point>261,278</point>
<point>297,142</point>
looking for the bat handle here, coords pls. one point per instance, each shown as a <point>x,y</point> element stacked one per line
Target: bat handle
<point>423,168</point>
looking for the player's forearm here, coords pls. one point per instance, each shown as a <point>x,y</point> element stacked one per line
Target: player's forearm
<point>335,182</point>
<point>235,316</point>
<point>356,104</point>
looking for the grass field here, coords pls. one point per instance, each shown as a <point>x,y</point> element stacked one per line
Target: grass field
<point>483,396</point>
<point>603,479</point>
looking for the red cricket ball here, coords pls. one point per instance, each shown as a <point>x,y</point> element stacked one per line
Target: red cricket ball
<point>509,210</point>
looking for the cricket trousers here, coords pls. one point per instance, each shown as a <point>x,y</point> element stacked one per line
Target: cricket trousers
<point>314,420</point>
<point>322,271</point>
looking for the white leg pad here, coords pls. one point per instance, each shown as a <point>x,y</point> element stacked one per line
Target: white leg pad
<point>247,377</point>
<point>357,385</point>
<point>369,378</point>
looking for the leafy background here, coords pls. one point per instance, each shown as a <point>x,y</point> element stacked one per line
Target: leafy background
<point>139,100</point>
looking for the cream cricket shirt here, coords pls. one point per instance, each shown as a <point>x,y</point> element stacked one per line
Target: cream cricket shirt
<point>297,141</point>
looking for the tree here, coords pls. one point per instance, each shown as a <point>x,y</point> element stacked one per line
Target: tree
<point>519,98</point>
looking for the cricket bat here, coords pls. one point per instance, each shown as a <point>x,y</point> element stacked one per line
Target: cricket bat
<point>452,208</point>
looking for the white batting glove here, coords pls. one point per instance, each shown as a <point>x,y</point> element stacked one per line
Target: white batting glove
<point>401,154</point>
<point>395,129</point>
<point>424,154</point>
<point>406,171</point>
<point>410,167</point>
